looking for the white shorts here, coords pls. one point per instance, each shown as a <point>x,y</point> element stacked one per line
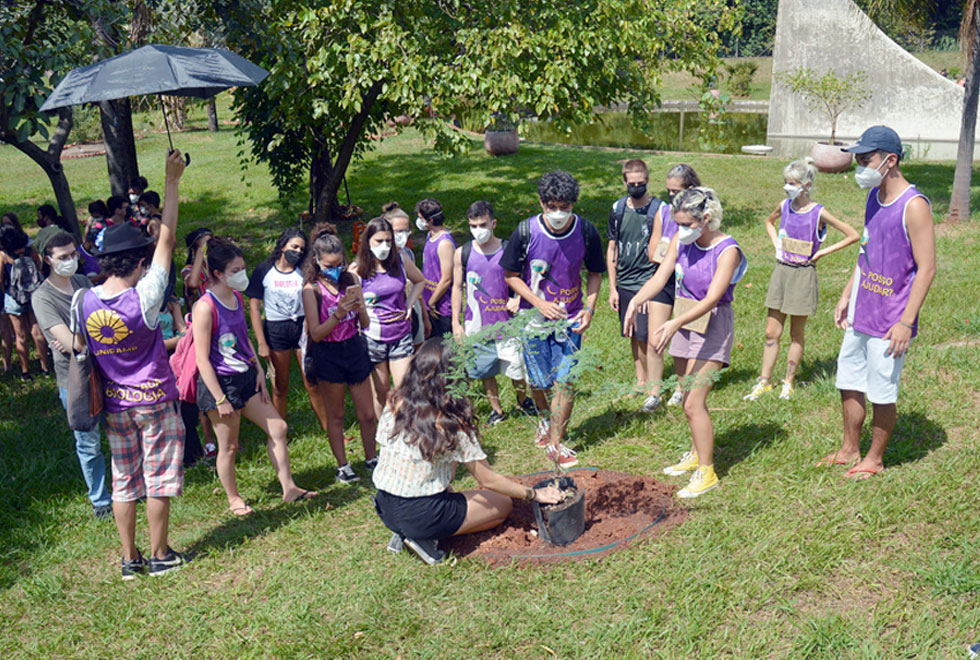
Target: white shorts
<point>864,366</point>
<point>501,357</point>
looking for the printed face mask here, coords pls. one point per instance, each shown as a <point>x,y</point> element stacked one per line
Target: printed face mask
<point>636,190</point>
<point>332,273</point>
<point>381,250</point>
<point>401,238</point>
<point>868,177</point>
<point>238,281</point>
<point>687,235</point>
<point>792,192</point>
<point>421,224</point>
<point>481,234</point>
<point>292,257</point>
<point>558,219</point>
<point>66,267</point>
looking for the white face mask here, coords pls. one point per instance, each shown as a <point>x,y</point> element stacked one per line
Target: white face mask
<point>869,177</point>
<point>421,224</point>
<point>792,192</point>
<point>66,267</point>
<point>687,235</point>
<point>134,198</point>
<point>481,234</point>
<point>401,238</point>
<point>558,219</point>
<point>381,250</point>
<point>238,281</point>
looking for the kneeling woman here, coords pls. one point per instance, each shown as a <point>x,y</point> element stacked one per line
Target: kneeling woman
<point>424,432</point>
<point>231,381</point>
<point>707,265</point>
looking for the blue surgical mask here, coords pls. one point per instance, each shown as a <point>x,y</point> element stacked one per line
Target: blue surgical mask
<point>332,273</point>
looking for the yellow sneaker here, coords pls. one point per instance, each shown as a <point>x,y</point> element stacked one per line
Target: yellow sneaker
<point>787,390</point>
<point>703,480</point>
<point>688,462</point>
<point>760,388</point>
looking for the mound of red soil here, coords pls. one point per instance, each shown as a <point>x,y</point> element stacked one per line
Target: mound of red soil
<point>619,509</point>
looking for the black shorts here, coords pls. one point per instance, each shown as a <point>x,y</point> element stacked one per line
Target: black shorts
<point>341,361</point>
<point>422,518</point>
<point>440,325</point>
<point>283,335</point>
<point>642,323</point>
<point>239,388</point>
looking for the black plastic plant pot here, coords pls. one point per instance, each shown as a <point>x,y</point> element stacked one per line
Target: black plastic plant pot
<point>560,524</point>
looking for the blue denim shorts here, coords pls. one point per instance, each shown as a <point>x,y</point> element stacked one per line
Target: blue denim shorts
<point>550,359</point>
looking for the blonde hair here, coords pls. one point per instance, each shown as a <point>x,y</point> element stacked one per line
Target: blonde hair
<point>801,170</point>
<point>696,202</point>
<point>393,210</point>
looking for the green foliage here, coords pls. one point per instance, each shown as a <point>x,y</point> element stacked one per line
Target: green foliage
<point>740,77</point>
<point>757,20</point>
<point>829,93</point>
<point>87,125</point>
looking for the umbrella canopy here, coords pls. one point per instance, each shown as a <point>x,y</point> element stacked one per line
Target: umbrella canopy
<point>156,69</point>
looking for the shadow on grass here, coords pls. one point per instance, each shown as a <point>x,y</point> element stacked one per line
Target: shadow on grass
<point>915,435</point>
<point>736,444</point>
<point>599,427</point>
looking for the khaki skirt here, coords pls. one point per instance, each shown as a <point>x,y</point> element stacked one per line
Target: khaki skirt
<point>793,290</point>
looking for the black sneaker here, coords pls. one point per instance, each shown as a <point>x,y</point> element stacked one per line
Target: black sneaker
<point>495,418</point>
<point>529,407</point>
<point>345,474</point>
<point>172,562</point>
<point>130,568</point>
<point>396,543</point>
<point>103,512</point>
<point>26,376</point>
<point>371,463</point>
<point>428,551</point>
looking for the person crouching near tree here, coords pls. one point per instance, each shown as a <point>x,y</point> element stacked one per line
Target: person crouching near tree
<point>707,264</point>
<point>335,312</point>
<point>119,326</point>
<point>426,430</point>
<point>793,286</point>
<point>231,381</point>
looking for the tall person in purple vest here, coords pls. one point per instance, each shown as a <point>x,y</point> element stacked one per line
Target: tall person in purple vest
<point>543,263</point>
<point>879,307</point>
<point>231,382</point>
<point>706,264</point>
<point>437,265</point>
<point>119,326</point>
<point>479,285</point>
<point>797,228</point>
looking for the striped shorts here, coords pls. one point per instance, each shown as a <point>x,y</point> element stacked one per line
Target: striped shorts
<point>147,444</point>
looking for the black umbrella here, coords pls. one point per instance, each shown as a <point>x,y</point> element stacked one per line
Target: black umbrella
<point>156,69</point>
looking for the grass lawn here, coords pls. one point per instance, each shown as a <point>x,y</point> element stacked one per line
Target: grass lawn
<point>783,560</point>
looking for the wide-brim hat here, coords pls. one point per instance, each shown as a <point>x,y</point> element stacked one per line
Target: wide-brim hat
<point>123,237</point>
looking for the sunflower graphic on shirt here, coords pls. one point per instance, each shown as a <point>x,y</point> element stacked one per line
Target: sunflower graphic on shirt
<point>105,326</point>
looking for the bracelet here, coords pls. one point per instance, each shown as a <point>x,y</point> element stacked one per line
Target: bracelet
<point>224,397</point>
<point>910,327</point>
<point>590,311</point>
<point>528,494</point>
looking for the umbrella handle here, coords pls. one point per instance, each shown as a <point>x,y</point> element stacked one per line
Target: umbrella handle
<point>187,156</point>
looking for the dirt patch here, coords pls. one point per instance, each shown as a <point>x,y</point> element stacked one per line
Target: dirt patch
<point>620,509</point>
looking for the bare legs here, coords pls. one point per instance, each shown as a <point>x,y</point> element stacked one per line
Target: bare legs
<point>379,381</point>
<point>775,323</point>
<point>6,341</point>
<point>158,517</point>
<point>884,416</point>
<point>281,362</point>
<point>641,361</point>
<point>26,326</point>
<point>658,314</point>
<point>485,509</point>
<point>696,408</point>
<point>332,397</point>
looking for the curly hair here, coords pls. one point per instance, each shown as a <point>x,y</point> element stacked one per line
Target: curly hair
<point>122,264</point>
<point>558,186</point>
<point>427,412</point>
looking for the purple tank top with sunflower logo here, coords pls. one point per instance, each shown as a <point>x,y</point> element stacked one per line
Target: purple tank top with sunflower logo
<point>131,356</point>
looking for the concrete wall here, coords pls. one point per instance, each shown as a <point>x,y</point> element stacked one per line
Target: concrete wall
<point>922,106</point>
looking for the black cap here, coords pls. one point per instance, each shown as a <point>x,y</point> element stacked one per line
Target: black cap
<point>122,237</point>
<point>877,138</point>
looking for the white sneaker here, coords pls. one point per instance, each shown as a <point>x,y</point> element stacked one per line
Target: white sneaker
<point>544,433</point>
<point>652,403</point>
<point>676,399</point>
<point>565,457</point>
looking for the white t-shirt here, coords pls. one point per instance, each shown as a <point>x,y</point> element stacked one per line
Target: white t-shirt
<point>281,293</point>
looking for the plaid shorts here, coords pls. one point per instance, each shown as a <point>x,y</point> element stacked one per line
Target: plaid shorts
<point>147,444</point>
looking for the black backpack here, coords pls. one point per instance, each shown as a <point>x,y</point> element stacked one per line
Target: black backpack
<point>524,236</point>
<point>25,278</point>
<point>619,209</point>
<point>464,255</point>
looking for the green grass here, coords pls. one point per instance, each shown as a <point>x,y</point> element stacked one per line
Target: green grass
<point>783,560</point>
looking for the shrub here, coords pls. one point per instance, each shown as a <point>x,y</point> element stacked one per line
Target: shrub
<point>740,77</point>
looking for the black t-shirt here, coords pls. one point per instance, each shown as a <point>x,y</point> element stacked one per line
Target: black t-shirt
<point>632,237</point>
<point>515,250</point>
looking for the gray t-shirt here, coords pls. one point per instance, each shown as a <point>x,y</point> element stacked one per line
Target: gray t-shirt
<point>51,308</point>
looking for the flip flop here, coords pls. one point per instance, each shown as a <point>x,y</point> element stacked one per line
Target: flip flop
<point>869,472</point>
<point>304,495</point>
<point>244,510</point>
<point>823,462</point>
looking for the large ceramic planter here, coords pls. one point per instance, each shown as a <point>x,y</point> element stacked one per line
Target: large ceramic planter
<point>829,157</point>
<point>500,143</point>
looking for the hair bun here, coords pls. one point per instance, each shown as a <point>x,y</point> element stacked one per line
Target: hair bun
<point>322,228</point>
<point>809,160</point>
<point>390,206</point>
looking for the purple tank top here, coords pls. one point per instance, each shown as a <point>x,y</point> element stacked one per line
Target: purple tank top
<point>553,267</point>
<point>384,297</point>
<point>88,263</point>
<point>886,267</point>
<point>131,356</point>
<point>230,352</point>
<point>432,272</point>
<point>486,291</point>
<point>667,224</point>
<point>696,268</point>
<point>802,227</point>
<point>329,302</point>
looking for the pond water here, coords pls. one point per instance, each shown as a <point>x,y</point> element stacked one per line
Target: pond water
<point>726,135</point>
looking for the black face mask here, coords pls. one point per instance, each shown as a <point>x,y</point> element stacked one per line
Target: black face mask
<point>636,190</point>
<point>671,194</point>
<point>292,257</point>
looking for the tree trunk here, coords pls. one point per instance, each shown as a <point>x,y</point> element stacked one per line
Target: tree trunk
<point>50,161</point>
<point>959,205</point>
<point>212,116</point>
<point>120,147</point>
<point>327,206</point>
